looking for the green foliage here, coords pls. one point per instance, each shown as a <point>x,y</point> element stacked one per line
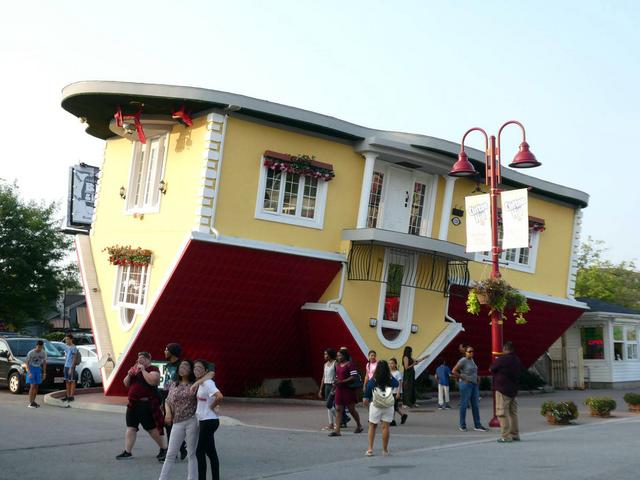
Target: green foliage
<point>55,336</point>
<point>632,398</point>
<point>601,405</point>
<point>562,412</point>
<point>499,296</point>
<point>530,381</point>
<point>255,392</point>
<point>286,388</point>
<point>603,280</point>
<point>32,249</point>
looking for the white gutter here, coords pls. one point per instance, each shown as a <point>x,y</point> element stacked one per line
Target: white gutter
<point>342,281</point>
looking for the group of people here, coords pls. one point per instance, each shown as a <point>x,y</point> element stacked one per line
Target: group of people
<point>185,405</point>
<point>35,366</point>
<point>384,388</point>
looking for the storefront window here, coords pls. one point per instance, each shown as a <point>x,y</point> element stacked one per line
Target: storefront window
<point>618,343</point>
<point>592,343</point>
<point>632,343</point>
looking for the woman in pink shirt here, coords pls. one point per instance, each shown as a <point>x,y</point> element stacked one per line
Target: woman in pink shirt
<point>370,369</point>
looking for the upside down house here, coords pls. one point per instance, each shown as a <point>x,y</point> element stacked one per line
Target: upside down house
<point>257,235</point>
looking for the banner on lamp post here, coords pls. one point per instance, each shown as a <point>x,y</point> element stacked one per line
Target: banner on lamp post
<point>515,219</point>
<point>478,209</point>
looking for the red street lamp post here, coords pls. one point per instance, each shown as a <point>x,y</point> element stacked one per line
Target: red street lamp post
<point>463,168</point>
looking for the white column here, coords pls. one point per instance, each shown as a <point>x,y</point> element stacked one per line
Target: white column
<point>445,215</point>
<point>367,178</point>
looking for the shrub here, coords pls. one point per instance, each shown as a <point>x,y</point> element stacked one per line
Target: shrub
<point>55,336</point>
<point>562,412</point>
<point>602,406</point>
<point>255,392</point>
<point>632,398</point>
<point>286,389</point>
<point>530,381</point>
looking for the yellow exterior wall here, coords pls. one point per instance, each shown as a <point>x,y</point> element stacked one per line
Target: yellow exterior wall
<point>163,233</point>
<point>554,247</point>
<point>244,145</point>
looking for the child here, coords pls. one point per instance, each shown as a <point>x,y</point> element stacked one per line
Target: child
<point>442,376</point>
<point>397,392</point>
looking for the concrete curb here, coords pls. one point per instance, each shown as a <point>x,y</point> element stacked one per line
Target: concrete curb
<point>53,399</point>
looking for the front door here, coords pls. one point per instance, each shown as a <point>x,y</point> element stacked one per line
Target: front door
<point>397,200</point>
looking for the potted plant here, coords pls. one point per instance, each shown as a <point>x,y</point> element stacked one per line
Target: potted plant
<point>600,406</point>
<point>633,401</point>
<point>499,296</point>
<point>559,413</point>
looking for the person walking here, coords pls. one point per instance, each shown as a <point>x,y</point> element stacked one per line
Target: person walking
<point>370,368</point>
<point>208,397</point>
<point>36,366</point>
<point>443,372</point>
<point>397,392</point>
<point>378,396</point>
<point>466,371</point>
<point>180,410</point>
<point>143,407</point>
<point>71,360</point>
<point>409,377</point>
<point>506,371</point>
<point>326,386</point>
<point>346,390</point>
<point>172,354</point>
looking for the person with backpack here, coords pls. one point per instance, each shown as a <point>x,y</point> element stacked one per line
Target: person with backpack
<point>379,397</point>
<point>71,361</point>
<point>347,384</point>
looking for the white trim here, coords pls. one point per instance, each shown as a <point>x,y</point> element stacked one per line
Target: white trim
<point>533,257</point>
<point>87,296</point>
<point>321,200</point>
<point>406,305</point>
<point>165,153</point>
<point>569,302</point>
<point>340,310</point>
<point>343,275</point>
<point>212,117</point>
<point>432,205</point>
<point>365,192</point>
<point>143,320</point>
<point>272,247</point>
<point>573,259</point>
<point>447,202</point>
<point>120,307</point>
<point>436,347</point>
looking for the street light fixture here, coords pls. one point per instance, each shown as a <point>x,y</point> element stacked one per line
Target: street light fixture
<point>464,168</point>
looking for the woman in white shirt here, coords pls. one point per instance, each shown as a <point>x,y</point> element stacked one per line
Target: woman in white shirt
<point>208,397</point>
<point>326,386</point>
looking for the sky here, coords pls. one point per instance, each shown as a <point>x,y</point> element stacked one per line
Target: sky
<point>569,71</point>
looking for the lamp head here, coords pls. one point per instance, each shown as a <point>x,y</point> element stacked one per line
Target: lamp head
<point>463,167</point>
<point>524,158</point>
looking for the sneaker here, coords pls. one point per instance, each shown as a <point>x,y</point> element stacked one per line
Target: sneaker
<point>447,407</point>
<point>183,453</point>
<point>32,405</point>
<point>480,429</point>
<point>162,454</point>
<point>123,455</point>
<point>393,423</point>
<point>71,399</point>
<point>440,407</point>
<point>36,404</point>
<point>64,399</point>
<point>504,440</point>
<point>403,418</point>
<point>462,429</point>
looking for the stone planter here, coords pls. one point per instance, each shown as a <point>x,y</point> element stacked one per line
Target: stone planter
<point>554,421</point>
<point>595,413</point>
<point>635,408</point>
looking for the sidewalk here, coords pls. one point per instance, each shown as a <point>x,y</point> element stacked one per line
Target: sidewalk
<point>310,415</point>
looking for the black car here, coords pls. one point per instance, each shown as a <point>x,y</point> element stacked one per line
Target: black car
<point>13,353</point>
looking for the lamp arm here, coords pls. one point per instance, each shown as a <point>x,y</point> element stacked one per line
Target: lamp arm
<point>499,152</point>
<point>478,129</point>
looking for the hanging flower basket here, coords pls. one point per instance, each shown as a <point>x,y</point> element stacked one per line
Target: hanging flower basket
<point>499,296</point>
<point>125,255</point>
<point>301,165</point>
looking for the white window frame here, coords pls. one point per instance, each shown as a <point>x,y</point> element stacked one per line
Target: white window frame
<point>407,300</point>
<point>502,258</point>
<point>429,180</point>
<point>121,307</point>
<point>625,342</point>
<point>152,188</point>
<point>321,199</point>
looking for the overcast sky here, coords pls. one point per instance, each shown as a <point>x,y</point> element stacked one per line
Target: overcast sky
<point>570,71</point>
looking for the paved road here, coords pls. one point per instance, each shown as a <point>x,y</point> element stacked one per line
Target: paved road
<point>73,444</point>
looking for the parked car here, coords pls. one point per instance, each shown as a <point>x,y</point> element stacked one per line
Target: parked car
<point>61,346</point>
<point>88,369</point>
<point>13,353</point>
<point>83,338</point>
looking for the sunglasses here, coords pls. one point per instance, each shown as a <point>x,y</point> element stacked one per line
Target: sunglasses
<point>469,351</point>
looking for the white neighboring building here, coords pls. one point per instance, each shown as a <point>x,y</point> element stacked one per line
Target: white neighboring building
<point>600,350</point>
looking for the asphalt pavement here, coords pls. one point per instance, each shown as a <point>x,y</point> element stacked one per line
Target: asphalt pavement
<point>275,440</point>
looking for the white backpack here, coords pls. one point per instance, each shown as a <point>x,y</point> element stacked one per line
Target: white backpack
<point>383,398</point>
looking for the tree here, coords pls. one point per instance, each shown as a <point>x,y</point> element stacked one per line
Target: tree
<point>32,250</point>
<point>603,280</point>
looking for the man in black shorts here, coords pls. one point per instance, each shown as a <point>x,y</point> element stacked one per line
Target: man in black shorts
<point>144,405</point>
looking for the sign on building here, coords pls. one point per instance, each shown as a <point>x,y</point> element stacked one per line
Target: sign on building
<point>82,194</point>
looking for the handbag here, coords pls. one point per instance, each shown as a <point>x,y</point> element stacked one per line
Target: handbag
<point>357,382</point>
